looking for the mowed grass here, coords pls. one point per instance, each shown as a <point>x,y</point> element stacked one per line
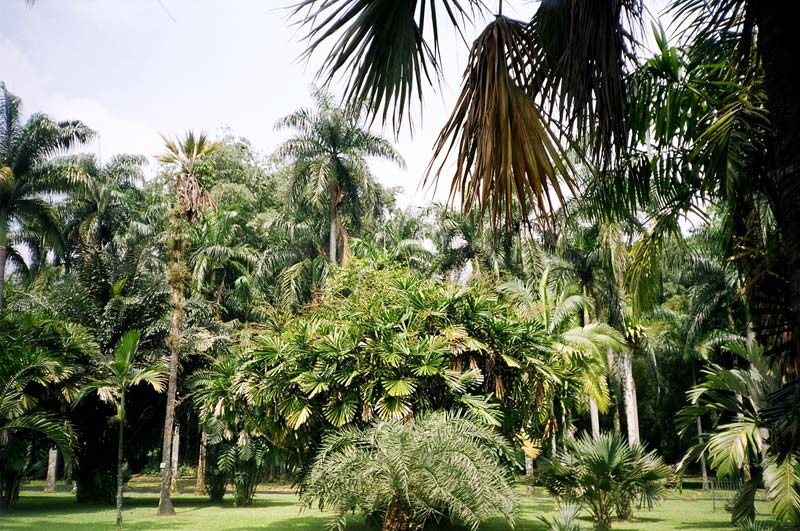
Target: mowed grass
<point>278,512</point>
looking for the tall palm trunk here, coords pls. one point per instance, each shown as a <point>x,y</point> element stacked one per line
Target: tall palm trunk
<point>629,394</point>
<point>52,469</point>
<point>594,415</point>
<point>334,214</point>
<point>777,44</point>
<point>176,443</point>
<point>703,466</point>
<point>3,253</point>
<point>121,417</point>
<point>530,489</point>
<point>594,410</point>
<point>200,485</point>
<point>176,278</point>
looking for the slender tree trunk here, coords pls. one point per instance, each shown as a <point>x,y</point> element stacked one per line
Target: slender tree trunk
<point>52,469</point>
<point>614,379</point>
<point>121,417</point>
<point>629,392</point>
<point>594,414</point>
<point>777,45</point>
<point>594,411</point>
<point>334,206</point>
<point>200,486</point>
<point>703,467</point>
<point>176,278</point>
<point>176,443</point>
<point>3,253</point>
<point>165,507</point>
<point>529,475</point>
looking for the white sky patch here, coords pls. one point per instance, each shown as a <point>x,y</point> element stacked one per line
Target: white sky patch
<point>130,72</point>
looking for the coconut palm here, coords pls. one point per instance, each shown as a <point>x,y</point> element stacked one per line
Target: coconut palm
<point>330,172</point>
<point>113,380</point>
<point>578,345</point>
<point>28,171</point>
<point>188,160</point>
<point>410,474</point>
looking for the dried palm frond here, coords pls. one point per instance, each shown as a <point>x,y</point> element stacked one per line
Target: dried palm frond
<point>507,152</point>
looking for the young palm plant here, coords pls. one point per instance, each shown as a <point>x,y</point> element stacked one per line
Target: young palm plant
<point>605,475</point>
<point>440,466</point>
<point>115,377</point>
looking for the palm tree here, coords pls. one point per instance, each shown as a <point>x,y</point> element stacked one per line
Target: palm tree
<point>604,475</point>
<point>219,256</point>
<point>578,345</point>
<point>741,400</point>
<point>413,473</point>
<point>188,159</point>
<point>114,379</point>
<point>573,68</point>
<point>28,173</point>
<point>27,368</point>
<point>99,213</point>
<point>331,171</point>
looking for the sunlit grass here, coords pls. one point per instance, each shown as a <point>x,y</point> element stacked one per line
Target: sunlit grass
<point>275,512</point>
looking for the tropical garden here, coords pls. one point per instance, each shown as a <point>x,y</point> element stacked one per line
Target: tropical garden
<point>598,331</point>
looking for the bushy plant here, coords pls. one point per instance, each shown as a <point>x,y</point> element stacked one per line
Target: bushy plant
<point>566,520</point>
<point>216,481</point>
<point>410,473</point>
<point>605,475</point>
<point>244,462</point>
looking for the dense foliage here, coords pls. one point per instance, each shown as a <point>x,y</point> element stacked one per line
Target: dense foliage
<point>440,467</point>
<point>605,475</point>
<point>300,309</point>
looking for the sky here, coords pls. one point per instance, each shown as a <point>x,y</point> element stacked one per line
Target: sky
<point>135,69</point>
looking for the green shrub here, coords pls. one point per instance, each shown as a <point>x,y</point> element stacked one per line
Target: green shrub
<point>605,476</point>
<point>407,474</point>
<point>567,519</point>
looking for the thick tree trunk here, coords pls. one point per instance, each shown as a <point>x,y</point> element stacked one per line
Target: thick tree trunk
<point>398,517</point>
<point>176,443</point>
<point>777,45</point>
<point>52,469</point>
<point>594,414</point>
<point>332,241</point>
<point>121,416</point>
<point>200,486</point>
<point>629,392</point>
<point>3,253</point>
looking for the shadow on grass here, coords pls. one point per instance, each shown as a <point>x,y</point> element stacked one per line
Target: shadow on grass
<point>47,503</point>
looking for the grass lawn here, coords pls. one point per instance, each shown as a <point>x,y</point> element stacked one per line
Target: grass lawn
<point>278,512</point>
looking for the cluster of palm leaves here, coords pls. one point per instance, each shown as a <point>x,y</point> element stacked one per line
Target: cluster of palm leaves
<point>605,475</point>
<point>442,466</point>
